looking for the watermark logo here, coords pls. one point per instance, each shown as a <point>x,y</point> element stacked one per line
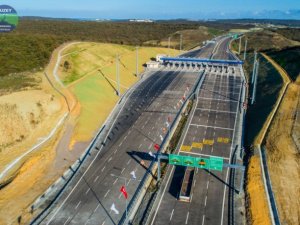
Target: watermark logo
<point>8,18</point>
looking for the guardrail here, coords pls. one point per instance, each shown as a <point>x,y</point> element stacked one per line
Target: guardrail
<point>138,192</point>
<point>58,187</point>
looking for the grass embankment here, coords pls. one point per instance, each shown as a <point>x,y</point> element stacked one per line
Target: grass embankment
<point>91,76</point>
<point>289,59</point>
<point>283,155</point>
<point>268,87</point>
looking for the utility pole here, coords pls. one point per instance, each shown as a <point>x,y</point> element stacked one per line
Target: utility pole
<point>118,74</point>
<point>169,40</point>
<point>180,42</point>
<point>255,83</point>
<point>137,61</point>
<point>245,52</point>
<point>254,67</point>
<point>240,44</point>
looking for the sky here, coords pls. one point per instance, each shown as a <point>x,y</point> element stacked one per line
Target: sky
<point>158,9</point>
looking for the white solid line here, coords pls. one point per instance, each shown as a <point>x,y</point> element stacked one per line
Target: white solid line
<point>203,218</point>
<point>106,193</point>
<point>77,204</point>
<point>171,214</point>
<point>213,110</point>
<point>59,208</point>
<point>187,217</point>
<point>214,127</point>
<point>96,179</point>
<point>172,170</point>
<point>227,173</point>
<point>218,99</point>
<point>87,191</point>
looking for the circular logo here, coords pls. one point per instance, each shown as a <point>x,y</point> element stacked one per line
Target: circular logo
<point>8,18</point>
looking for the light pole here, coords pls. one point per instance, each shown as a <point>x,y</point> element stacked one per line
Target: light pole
<point>240,45</point>
<point>169,40</point>
<point>254,67</point>
<point>180,42</point>
<point>137,61</point>
<point>245,52</point>
<point>118,74</point>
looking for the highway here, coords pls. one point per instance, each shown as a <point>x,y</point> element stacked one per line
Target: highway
<point>213,120</point>
<point>139,125</point>
<point>89,197</point>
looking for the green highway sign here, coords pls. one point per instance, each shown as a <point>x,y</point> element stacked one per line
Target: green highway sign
<point>212,163</point>
<point>188,161</point>
<point>202,163</point>
<point>216,163</point>
<point>175,159</point>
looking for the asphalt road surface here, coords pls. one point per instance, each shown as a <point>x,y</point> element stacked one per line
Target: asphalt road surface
<point>214,122</point>
<point>88,199</point>
<point>139,127</point>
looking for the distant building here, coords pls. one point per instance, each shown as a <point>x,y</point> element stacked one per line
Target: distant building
<point>141,21</point>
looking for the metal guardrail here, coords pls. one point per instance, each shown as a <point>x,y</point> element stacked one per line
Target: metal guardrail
<point>269,188</point>
<point>72,171</point>
<point>165,141</point>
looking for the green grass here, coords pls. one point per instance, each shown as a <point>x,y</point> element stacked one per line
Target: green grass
<point>18,82</point>
<point>289,59</point>
<point>269,84</point>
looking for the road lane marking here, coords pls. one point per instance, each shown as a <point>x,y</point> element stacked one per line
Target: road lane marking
<point>120,144</point>
<point>122,170</point>
<point>171,214</point>
<point>96,208</point>
<point>67,220</point>
<point>205,200</point>
<point>140,146</point>
<point>207,184</point>
<point>106,193</point>
<point>103,222</point>
<point>103,169</point>
<point>64,201</point>
<point>214,127</point>
<point>128,161</point>
<point>203,218</point>
<point>96,179</point>
<point>87,191</point>
<point>218,99</point>
<point>77,204</point>
<point>115,181</point>
<point>187,217</point>
<point>115,151</point>
<point>109,159</point>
